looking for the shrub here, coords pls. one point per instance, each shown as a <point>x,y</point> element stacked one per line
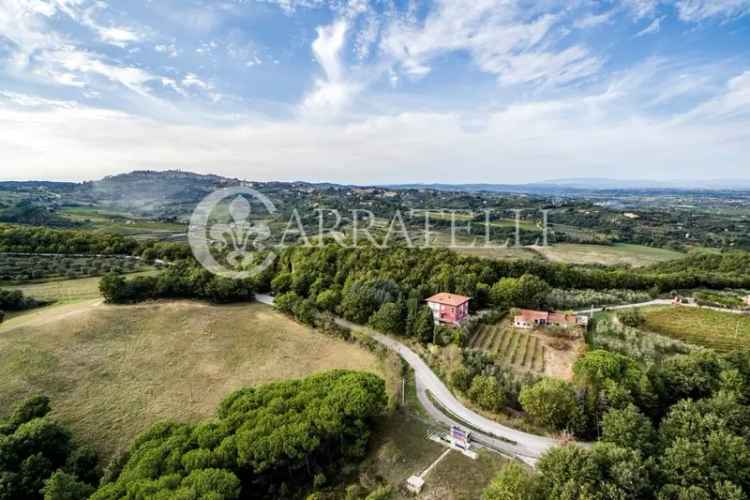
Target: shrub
<point>552,403</point>
<point>388,319</point>
<point>631,317</point>
<point>461,379</point>
<point>514,481</point>
<point>328,300</point>
<point>485,391</point>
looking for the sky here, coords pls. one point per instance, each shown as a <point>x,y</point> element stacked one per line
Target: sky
<point>386,91</point>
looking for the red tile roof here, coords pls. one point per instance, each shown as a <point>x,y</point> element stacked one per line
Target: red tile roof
<point>549,317</point>
<point>448,299</point>
<point>530,315</point>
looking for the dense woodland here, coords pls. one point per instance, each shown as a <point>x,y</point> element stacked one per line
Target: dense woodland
<point>275,441</point>
<point>272,441</point>
<point>678,431</point>
<point>38,458</point>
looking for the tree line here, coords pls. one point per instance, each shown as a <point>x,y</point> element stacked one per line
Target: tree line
<point>30,239</point>
<point>183,280</point>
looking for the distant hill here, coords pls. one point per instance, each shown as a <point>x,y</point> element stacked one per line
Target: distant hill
<point>562,186</point>
<point>146,190</point>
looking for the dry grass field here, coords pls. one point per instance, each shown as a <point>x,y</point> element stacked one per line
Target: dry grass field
<point>499,253</point>
<point>66,291</point>
<point>704,327</point>
<point>621,253</point>
<point>112,371</point>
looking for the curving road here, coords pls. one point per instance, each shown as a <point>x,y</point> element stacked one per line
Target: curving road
<point>512,442</point>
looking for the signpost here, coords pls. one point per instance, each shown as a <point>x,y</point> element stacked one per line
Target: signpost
<point>460,438</point>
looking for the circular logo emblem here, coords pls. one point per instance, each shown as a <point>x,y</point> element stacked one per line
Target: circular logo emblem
<point>225,237</point>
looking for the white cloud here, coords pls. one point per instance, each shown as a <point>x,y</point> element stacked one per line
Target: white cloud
<point>594,20</point>
<point>642,8</point>
<point>653,27</point>
<point>41,53</point>
<point>291,6</point>
<point>699,10</point>
<point>690,10</point>
<point>69,63</point>
<point>170,49</point>
<point>732,103</point>
<point>118,36</point>
<point>367,37</point>
<point>332,92</point>
<point>501,37</point>
<point>521,142</point>
<point>192,80</point>
<point>30,101</point>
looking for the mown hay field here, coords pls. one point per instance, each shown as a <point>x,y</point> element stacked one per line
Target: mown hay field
<point>704,327</point>
<point>112,371</point>
<point>65,291</point>
<point>620,253</point>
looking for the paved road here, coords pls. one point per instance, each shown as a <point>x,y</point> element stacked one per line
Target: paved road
<point>661,302</point>
<point>511,450</point>
<point>522,445</point>
<point>657,302</point>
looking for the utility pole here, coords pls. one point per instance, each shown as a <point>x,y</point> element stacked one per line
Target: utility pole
<point>403,392</point>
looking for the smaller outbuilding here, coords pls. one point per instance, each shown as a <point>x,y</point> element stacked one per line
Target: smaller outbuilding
<point>529,319</point>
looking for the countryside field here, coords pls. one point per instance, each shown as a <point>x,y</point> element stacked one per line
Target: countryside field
<point>568,253</point>
<point>66,291</point>
<point>620,253</point>
<point>528,351</point>
<point>499,253</point>
<point>704,327</point>
<point>21,268</point>
<point>112,371</point>
<point>124,224</point>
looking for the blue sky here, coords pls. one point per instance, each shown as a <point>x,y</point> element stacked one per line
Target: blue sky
<point>375,92</point>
